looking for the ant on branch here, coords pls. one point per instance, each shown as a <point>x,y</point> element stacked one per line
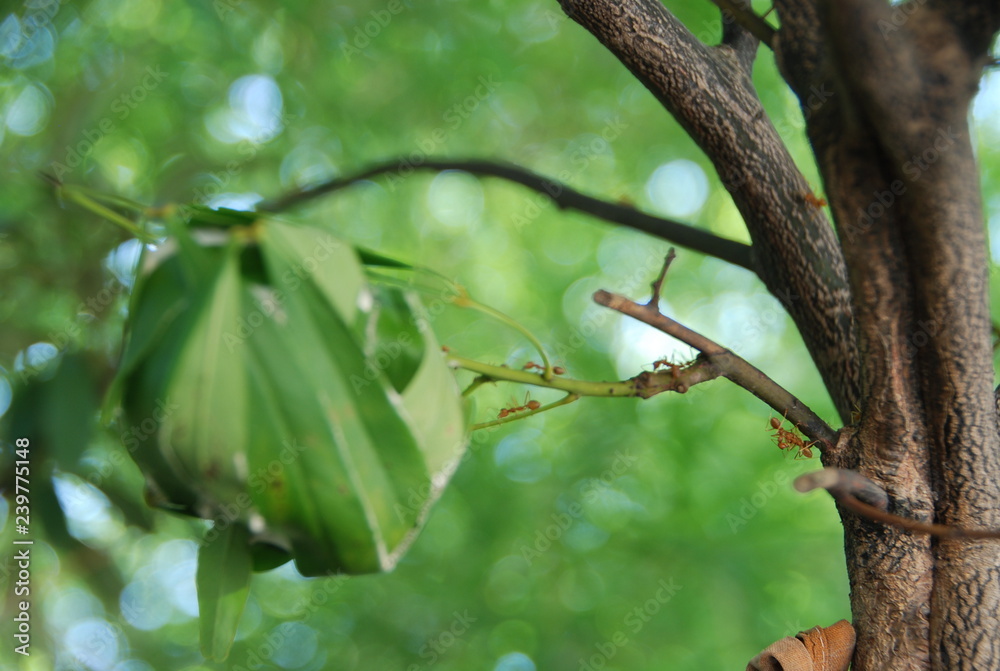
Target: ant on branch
<point>675,368</point>
<point>814,200</point>
<point>529,404</point>
<point>789,440</point>
<point>531,365</point>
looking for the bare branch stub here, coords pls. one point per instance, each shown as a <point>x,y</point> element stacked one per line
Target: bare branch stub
<point>849,487</point>
<point>844,482</point>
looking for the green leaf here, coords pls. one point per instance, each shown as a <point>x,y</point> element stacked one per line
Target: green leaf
<point>184,381</point>
<point>359,457</point>
<point>397,346</point>
<point>372,258</point>
<point>223,582</point>
<point>208,385</point>
<point>307,255</point>
<point>432,399</point>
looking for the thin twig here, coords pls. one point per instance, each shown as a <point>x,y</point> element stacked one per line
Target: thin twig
<point>728,365</point>
<point>568,398</point>
<point>562,195</point>
<point>644,385</point>
<point>654,300</point>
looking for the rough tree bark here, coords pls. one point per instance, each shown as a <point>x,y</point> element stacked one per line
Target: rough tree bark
<point>892,299</point>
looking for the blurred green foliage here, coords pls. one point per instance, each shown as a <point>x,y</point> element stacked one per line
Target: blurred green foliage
<point>613,534</point>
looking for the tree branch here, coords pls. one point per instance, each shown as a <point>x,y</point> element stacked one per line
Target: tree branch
<point>726,363</point>
<point>563,196</point>
<point>841,482</point>
<point>709,92</point>
<point>745,17</point>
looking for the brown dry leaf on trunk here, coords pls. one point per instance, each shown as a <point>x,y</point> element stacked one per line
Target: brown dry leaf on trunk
<point>819,649</point>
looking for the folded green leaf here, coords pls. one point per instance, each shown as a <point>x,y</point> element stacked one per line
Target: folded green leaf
<point>223,582</point>
<point>306,405</point>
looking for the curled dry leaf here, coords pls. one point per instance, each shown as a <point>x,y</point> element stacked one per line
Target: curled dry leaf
<point>819,649</point>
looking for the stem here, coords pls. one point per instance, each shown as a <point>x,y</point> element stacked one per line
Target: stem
<point>624,388</point>
<point>462,299</point>
<point>89,200</point>
<point>568,398</point>
<point>465,301</point>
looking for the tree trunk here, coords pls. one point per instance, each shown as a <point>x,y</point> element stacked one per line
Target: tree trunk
<point>892,300</point>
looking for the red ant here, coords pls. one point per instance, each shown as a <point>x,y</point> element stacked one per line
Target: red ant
<point>531,365</point>
<point>528,405</point>
<point>814,200</point>
<point>789,440</point>
<point>675,368</point>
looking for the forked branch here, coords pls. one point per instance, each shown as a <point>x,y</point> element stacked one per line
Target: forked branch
<point>708,91</point>
<point>723,361</point>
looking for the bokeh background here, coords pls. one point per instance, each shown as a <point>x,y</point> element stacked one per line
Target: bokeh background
<point>608,534</point>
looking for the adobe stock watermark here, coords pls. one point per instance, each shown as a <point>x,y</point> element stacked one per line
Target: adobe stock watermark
<point>913,169</point>
<point>121,107</point>
<point>258,481</point>
<point>766,490</point>
<point>640,275</point>
<point>270,300</point>
<point>920,338</point>
<point>65,337</point>
<point>247,149</point>
<point>370,30</point>
<point>769,318</point>
<point>900,14</point>
<point>633,623</point>
<point>454,116</point>
<point>86,310</point>
<point>418,497</point>
<point>223,7</point>
<point>135,435</point>
<point>813,100</point>
<point>579,159</point>
<point>387,352</point>
<point>436,646</point>
<point>133,438</point>
<point>260,654</point>
<point>39,15</point>
<point>563,520</point>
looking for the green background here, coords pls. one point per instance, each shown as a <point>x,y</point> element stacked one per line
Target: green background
<point>558,538</point>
